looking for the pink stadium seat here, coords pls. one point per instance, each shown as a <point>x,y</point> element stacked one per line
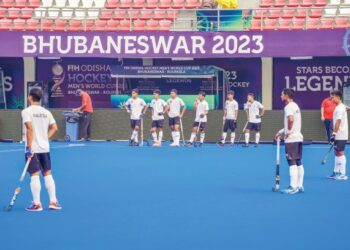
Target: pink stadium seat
<point>139,25</point>
<point>27,13</point>
<point>139,4</point>
<point>125,4</point>
<point>5,24</point>
<point>119,14</point>
<point>320,3</point>
<point>284,24</point>
<point>14,13</point>
<point>88,25</point>
<point>192,4</point>
<point>306,3</point>
<point>159,14</point>
<point>106,14</point>
<point>152,25</point>
<point>326,23</point>
<point>259,14</point>
<point>112,4</point>
<point>301,13</point>
<point>255,24</point>
<point>298,24</point>
<point>46,24</point>
<point>32,24</point>
<point>274,13</point>
<point>112,25</point>
<point>265,3</point>
<point>312,23</point>
<point>172,14</point>
<point>8,3</point>
<point>165,4</point>
<point>165,25</point>
<point>2,13</point>
<point>279,3</point>
<point>270,24</point>
<point>19,24</point>
<point>292,3</point>
<point>178,4</point>
<point>61,24</point>
<point>133,14</point>
<point>288,13</point>
<point>124,25</point>
<point>100,25</point>
<point>146,14</point>
<point>315,13</point>
<point>33,3</point>
<point>152,4</point>
<point>341,22</point>
<point>21,4</point>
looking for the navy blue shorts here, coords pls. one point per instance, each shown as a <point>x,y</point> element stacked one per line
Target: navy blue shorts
<point>174,121</point>
<point>294,151</point>
<point>135,123</point>
<point>254,126</point>
<point>339,145</point>
<point>196,124</point>
<point>41,162</point>
<point>157,123</point>
<point>230,125</point>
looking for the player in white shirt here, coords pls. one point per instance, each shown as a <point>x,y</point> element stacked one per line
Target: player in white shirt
<point>40,126</point>
<point>174,105</point>
<point>202,108</point>
<point>136,107</point>
<point>339,137</point>
<point>255,110</point>
<point>230,118</point>
<point>158,107</point>
<point>293,140</point>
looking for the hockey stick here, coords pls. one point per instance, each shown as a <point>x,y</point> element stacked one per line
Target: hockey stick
<point>277,185</point>
<point>325,157</point>
<point>240,137</point>
<point>18,189</point>
<point>149,139</point>
<point>182,132</point>
<point>141,132</point>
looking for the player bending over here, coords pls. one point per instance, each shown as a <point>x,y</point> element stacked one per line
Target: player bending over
<point>202,108</point>
<point>230,118</point>
<point>174,108</point>
<point>158,107</point>
<point>136,107</point>
<point>339,136</point>
<point>255,110</point>
<point>293,142</point>
<point>40,126</point>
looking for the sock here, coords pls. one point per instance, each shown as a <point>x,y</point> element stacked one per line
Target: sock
<point>160,136</point>
<point>233,136</point>
<point>246,135</point>
<point>257,138</point>
<point>154,136</point>
<point>223,137</point>
<point>133,135</point>
<point>136,136</point>
<point>193,135</point>
<point>300,176</point>
<point>35,187</point>
<point>50,187</point>
<point>337,164</point>
<point>293,173</point>
<point>177,137</point>
<point>202,136</point>
<point>342,165</point>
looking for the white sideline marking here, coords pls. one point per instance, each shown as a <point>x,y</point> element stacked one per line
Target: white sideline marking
<point>57,147</point>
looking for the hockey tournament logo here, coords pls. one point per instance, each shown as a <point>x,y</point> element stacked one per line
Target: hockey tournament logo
<point>346,42</point>
<point>58,78</point>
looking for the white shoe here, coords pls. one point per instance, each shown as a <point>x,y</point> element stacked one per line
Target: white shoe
<point>341,177</point>
<point>174,144</point>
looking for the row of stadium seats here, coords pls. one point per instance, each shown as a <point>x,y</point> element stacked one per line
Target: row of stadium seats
<point>110,4</point>
<point>84,25</point>
<point>299,24</point>
<point>300,3</point>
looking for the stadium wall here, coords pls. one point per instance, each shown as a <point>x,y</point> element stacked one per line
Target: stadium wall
<point>114,125</point>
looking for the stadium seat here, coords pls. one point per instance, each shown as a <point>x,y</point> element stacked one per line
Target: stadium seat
<point>172,14</point>
<point>284,24</point>
<point>53,13</point>
<point>112,25</point>
<point>112,4</point>
<point>139,4</point>
<point>334,2</point>
<point>316,13</point>
<point>5,24</point>
<point>14,13</point>
<point>106,14</point>
<point>139,25</point>
<point>298,24</point>
<point>47,3</point>
<point>255,24</point>
<point>306,3</point>
<point>279,3</point>
<point>320,3</point>
<point>146,14</point>
<point>46,24</point>
<point>60,24</point>
<point>27,13</point>
<point>74,25</point>
<point>8,3</point>
<point>99,3</point>
<point>288,13</point>
<point>133,14</point>
<point>293,3</point>
<point>312,23</point>
<point>88,25</point>
<point>344,10</point>
<point>192,4</point>
<point>119,14</point>
<point>33,3</point>
<point>67,13</point>
<point>274,13</point>
<point>19,24</point>
<point>301,13</point>
<point>265,3</point>
<point>152,4</point>
<point>152,25</point>
<point>326,23</point>
<point>124,25</point>
<point>341,22</point>
<point>165,4</point>
<point>259,14</point>
<point>178,4</point>
<point>330,11</point>
<point>60,3</point>
<point>93,14</point>
<point>21,4</point>
<point>125,4</point>
<point>87,3</point>
<point>80,14</point>
<point>73,3</point>
<point>32,24</point>
<point>3,13</point>
<point>159,14</point>
<point>100,25</point>
<point>270,24</point>
<point>165,25</point>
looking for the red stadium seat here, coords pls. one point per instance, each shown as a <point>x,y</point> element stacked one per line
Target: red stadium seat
<point>265,3</point>
<point>27,13</point>
<point>178,4</point>
<point>32,24</point>
<point>3,13</point>
<point>255,24</point>
<point>341,22</point>
<point>320,3</point>
<point>292,3</point>
<point>301,13</point>
<point>152,4</point>
<point>112,25</point>
<point>172,14</point>
<point>119,14</point>
<point>5,24</point>
<point>274,14</point>
<point>284,24</point>
<point>106,14</point>
<point>192,4</point>
<point>315,13</point>
<point>326,23</point>
<point>159,14</point>
<point>288,13</point>
<point>61,24</point>
<point>312,23</point>
<point>270,24</point>
<point>306,3</point>
<point>165,4</point>
<point>74,25</point>
<point>46,24</point>
<point>125,4</point>
<point>139,4</point>
<point>152,25</point>
<point>8,3</point>
<point>146,14</point>
<point>133,14</point>
<point>298,24</point>
<point>21,4</point>
<point>165,25</point>
<point>124,25</point>
<point>100,25</point>
<point>139,25</point>
<point>14,13</point>
<point>259,14</point>
<point>19,24</point>
<point>33,3</point>
<point>112,4</point>
<point>88,25</point>
<point>279,3</point>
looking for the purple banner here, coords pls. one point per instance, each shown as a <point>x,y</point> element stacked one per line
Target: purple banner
<point>14,81</point>
<point>311,79</point>
<point>176,44</point>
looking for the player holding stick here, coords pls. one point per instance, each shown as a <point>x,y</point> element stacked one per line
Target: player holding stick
<point>255,110</point>
<point>158,107</point>
<point>339,136</point>
<point>201,107</point>
<point>136,107</point>
<point>40,126</point>
<point>230,118</point>
<point>175,113</point>
<point>293,142</point>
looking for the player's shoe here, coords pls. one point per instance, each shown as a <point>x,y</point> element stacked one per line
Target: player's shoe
<point>333,176</point>
<point>256,145</point>
<point>301,190</point>
<point>200,144</point>
<point>55,206</point>
<point>245,145</point>
<point>135,144</point>
<point>156,144</point>
<point>35,207</point>
<point>131,142</point>
<point>188,144</point>
<point>220,144</point>
<point>174,145</point>
<point>290,190</point>
<point>341,177</point>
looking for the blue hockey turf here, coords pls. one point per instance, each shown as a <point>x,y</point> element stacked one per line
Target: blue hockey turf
<point>210,198</point>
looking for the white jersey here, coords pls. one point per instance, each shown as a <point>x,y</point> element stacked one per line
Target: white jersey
<point>341,114</point>
<point>41,119</point>
<point>175,106</point>
<point>253,111</point>
<point>231,107</point>
<point>202,108</point>
<point>292,109</point>
<point>136,106</point>
<point>157,107</point>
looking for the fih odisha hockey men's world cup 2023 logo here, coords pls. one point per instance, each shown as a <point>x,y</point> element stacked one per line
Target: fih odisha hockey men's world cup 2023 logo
<point>57,79</point>
<point>346,42</point>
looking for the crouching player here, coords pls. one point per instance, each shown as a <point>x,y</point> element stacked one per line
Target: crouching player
<point>293,142</point>
<point>136,107</point>
<point>158,107</point>
<point>175,104</point>
<point>339,136</point>
<point>253,109</point>
<point>230,118</point>
<point>40,126</point>
<point>202,108</point>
